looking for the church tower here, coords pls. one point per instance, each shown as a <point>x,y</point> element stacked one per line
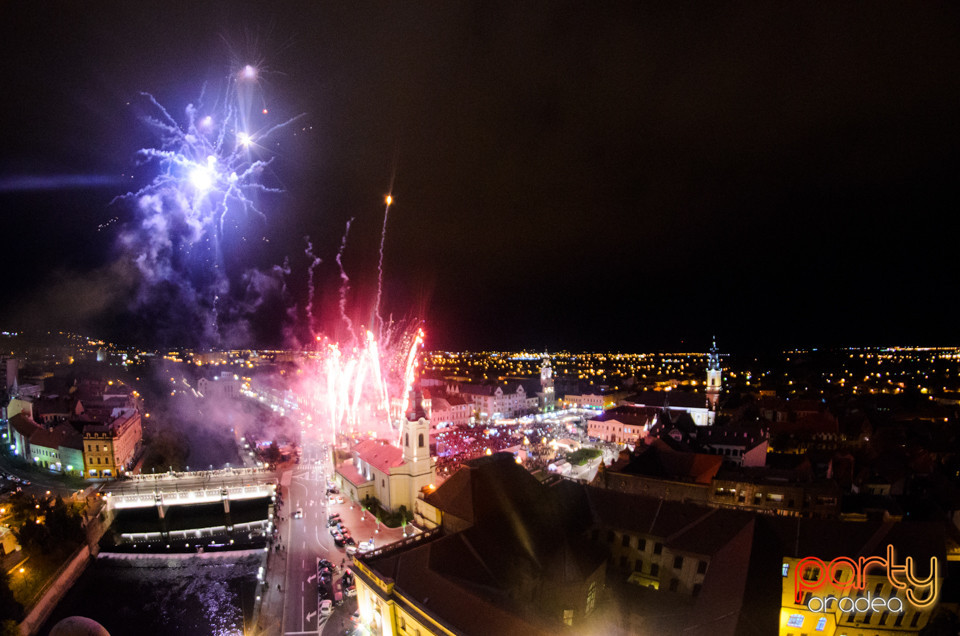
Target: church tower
<point>549,400</point>
<point>714,382</point>
<point>416,430</point>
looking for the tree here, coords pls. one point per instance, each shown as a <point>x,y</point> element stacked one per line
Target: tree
<point>166,449</point>
<point>9,607</point>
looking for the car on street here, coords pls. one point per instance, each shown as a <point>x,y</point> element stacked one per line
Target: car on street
<point>326,607</point>
<point>298,514</point>
<point>338,540</point>
<point>351,549</point>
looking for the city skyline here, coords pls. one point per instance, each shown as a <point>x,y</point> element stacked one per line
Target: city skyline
<point>611,178</point>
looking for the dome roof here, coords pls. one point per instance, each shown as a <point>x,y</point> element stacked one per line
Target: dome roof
<point>78,626</point>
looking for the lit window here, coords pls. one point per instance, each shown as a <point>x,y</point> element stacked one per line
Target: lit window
<point>795,620</point>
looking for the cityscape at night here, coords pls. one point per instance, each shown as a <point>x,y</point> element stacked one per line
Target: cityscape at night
<point>393,319</point>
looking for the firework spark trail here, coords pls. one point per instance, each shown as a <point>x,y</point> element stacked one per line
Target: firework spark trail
<point>314,262</point>
<point>344,281</point>
<point>207,171</point>
<point>383,240</point>
<point>410,375</point>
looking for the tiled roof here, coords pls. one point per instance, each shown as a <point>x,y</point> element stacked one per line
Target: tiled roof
<point>673,399</point>
<point>379,454</point>
<point>351,474</point>
<point>23,424</point>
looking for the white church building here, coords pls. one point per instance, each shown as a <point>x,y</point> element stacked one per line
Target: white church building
<point>393,475</point>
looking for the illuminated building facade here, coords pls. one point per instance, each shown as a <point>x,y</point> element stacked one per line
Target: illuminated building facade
<point>109,449</point>
<point>714,380</point>
<point>548,398</point>
<point>220,386</point>
<point>621,425</point>
<point>393,475</point>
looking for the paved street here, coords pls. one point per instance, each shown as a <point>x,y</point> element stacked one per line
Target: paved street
<point>40,480</point>
<point>306,540</point>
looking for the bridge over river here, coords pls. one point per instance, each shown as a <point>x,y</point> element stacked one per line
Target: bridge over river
<point>208,486</point>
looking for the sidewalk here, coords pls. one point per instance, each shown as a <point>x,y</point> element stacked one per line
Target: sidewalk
<point>269,618</point>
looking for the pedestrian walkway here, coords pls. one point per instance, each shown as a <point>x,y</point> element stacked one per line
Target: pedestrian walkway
<point>269,619</point>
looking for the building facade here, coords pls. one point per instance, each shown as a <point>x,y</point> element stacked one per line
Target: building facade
<point>109,449</point>
<point>714,380</point>
<point>393,475</point>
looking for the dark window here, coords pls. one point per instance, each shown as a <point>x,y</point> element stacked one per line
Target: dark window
<point>702,567</point>
<point>878,589</point>
<point>899,620</point>
<point>654,569</point>
<point>677,562</point>
<point>421,440</point>
<point>866,618</point>
<point>657,548</point>
<point>642,544</point>
<point>623,561</point>
<point>696,589</point>
<point>883,618</point>
<point>625,541</point>
<point>638,567</point>
<point>407,442</point>
<point>674,584</point>
<point>610,536</point>
<point>915,619</point>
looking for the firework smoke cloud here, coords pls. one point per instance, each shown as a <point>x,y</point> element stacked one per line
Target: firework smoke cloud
<point>208,181</point>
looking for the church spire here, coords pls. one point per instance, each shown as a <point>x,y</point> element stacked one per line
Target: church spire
<point>415,411</point>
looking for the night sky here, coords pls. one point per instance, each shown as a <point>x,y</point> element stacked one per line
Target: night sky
<point>598,176</point>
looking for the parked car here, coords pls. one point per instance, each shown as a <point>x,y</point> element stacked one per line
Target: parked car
<point>351,550</point>
<point>338,540</point>
<point>326,607</point>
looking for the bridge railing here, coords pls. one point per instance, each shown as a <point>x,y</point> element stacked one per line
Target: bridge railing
<point>171,475</point>
<point>196,495</point>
